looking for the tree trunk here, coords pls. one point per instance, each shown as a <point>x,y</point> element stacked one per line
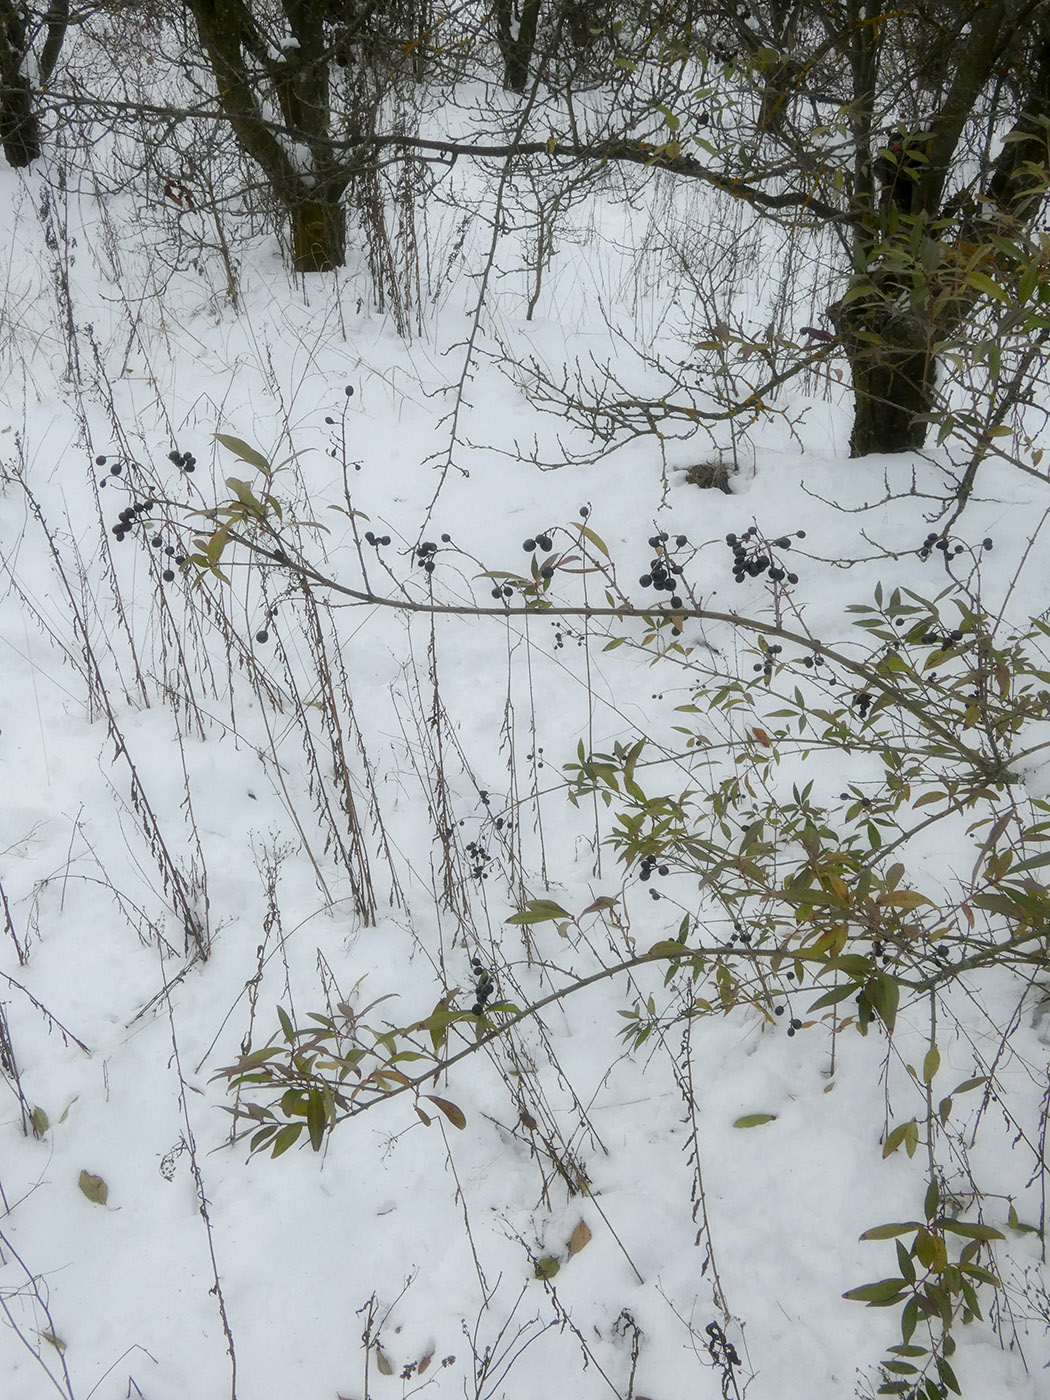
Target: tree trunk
<point>516,48</point>
<point>318,235</point>
<point>893,368</point>
<point>19,127</point>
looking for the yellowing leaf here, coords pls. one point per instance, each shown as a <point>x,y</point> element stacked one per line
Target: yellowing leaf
<point>580,1238</point>
<point>547,1267</point>
<point>94,1188</point>
<point>754,1120</point>
<point>452,1112</point>
<point>903,899</point>
<point>667,948</point>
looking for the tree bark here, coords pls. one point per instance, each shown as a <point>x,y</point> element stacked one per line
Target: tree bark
<point>20,134</point>
<point>516,48</point>
<point>318,235</point>
<point>892,316</point>
<point>19,125</point>
<point>298,78</point>
<point>893,369</point>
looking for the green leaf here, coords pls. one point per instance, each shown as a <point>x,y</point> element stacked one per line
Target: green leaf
<point>972,1232</point>
<point>983,283</point>
<point>909,1321</point>
<point>1015,1223</point>
<point>452,1112</point>
<point>539,911</point>
<point>596,540</point>
<point>903,899</point>
<point>901,1133</point>
<point>247,454</point>
<point>246,496</point>
<point>889,1232</point>
<point>884,993</point>
<point>931,1064</point>
<point>316,1118</point>
<point>836,994</point>
<point>754,1120</point>
<point>969,1084</point>
<point>947,1375</point>
<point>667,948</point>
<point>547,1267</point>
<point>852,964</point>
<point>886,1291</point>
<point>39,1121</point>
<point>287,1137</point>
<point>94,1188</point>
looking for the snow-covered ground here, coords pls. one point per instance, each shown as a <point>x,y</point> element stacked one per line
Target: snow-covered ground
<point>221,798</point>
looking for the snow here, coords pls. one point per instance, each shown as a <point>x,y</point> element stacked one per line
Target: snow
<point>150,745</point>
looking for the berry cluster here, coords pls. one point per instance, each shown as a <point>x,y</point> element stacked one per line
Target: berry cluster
<point>479,858</point>
<point>647,865</point>
<point>184,460</point>
<point>545,544</point>
<point>263,634</point>
<point>794,1024</point>
<point>483,987</point>
<point>377,540</point>
<point>947,547</point>
<point>663,570</point>
<point>862,702</point>
<point>131,516</point>
<point>945,642</point>
<point>766,666</point>
<point>425,555</point>
<point>752,556</point>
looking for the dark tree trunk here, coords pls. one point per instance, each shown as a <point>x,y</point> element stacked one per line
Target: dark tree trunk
<point>318,235</point>
<point>19,124</point>
<point>896,309</point>
<point>19,127</point>
<point>517,48</point>
<point>299,79</point>
<point>893,368</point>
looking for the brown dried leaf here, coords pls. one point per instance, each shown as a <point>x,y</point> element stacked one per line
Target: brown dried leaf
<point>580,1238</point>
<point>383,1362</point>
